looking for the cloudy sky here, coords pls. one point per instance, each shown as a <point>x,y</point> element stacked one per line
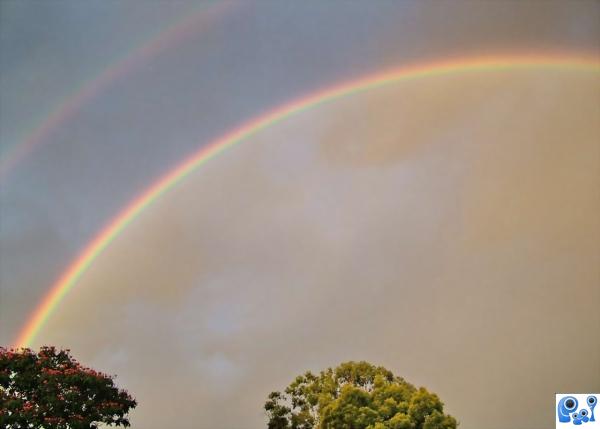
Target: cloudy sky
<point>444,227</point>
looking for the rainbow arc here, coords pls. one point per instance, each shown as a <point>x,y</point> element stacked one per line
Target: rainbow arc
<point>116,226</point>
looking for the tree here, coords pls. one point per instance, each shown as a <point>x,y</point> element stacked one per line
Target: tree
<point>355,395</point>
<point>51,390</point>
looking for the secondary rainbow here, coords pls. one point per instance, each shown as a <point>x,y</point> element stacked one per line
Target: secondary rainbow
<point>112,230</point>
<point>66,109</point>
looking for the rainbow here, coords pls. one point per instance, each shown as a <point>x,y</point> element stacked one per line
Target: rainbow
<point>112,230</point>
<point>70,105</point>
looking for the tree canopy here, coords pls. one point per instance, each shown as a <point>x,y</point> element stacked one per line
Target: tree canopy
<point>51,390</point>
<point>355,395</point>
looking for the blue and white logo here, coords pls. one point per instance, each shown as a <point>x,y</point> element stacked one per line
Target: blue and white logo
<point>577,409</point>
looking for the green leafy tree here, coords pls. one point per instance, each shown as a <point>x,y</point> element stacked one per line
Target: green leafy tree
<point>355,395</point>
<point>51,390</point>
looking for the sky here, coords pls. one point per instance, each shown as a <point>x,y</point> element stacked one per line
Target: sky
<point>444,227</point>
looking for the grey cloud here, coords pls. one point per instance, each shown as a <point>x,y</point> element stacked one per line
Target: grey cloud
<point>457,263</point>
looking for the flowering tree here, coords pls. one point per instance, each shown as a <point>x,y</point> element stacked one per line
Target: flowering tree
<point>355,395</point>
<point>51,390</point>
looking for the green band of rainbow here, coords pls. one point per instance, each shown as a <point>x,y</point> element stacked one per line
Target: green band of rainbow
<point>479,64</point>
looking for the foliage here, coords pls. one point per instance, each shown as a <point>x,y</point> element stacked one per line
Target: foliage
<point>51,390</point>
<point>355,395</point>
